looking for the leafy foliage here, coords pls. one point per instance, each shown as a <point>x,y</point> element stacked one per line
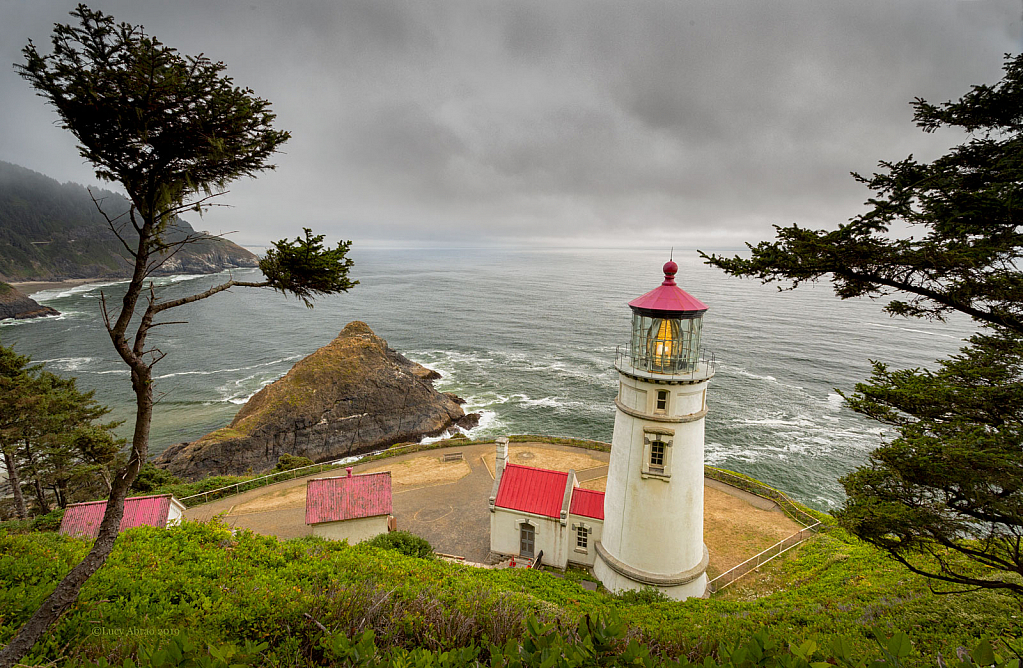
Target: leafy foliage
<point>163,125</point>
<point>287,462</point>
<point>49,435</point>
<point>305,268</point>
<point>403,542</point>
<point>152,478</point>
<point>950,484</point>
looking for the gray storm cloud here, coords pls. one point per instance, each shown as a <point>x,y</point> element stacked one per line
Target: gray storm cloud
<point>603,123</point>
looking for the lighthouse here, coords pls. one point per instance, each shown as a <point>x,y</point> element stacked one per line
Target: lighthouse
<point>653,505</point>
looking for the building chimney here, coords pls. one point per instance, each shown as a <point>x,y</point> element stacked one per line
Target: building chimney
<point>502,456</point>
<point>349,471</point>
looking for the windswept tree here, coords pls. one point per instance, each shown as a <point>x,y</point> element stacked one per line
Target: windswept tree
<point>944,495</point>
<point>173,131</point>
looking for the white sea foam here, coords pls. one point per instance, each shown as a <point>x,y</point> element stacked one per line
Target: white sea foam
<point>67,363</point>
<point>62,293</point>
<point>231,370</point>
<point>64,315</point>
<point>915,331</point>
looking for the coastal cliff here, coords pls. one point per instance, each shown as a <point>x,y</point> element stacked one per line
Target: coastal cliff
<point>51,231</point>
<point>352,396</point>
<point>16,304</point>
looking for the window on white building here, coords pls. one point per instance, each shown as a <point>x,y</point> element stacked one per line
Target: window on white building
<point>657,456</point>
<point>662,401</point>
<point>582,538</point>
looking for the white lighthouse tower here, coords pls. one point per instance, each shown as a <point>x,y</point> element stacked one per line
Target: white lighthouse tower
<point>653,507</point>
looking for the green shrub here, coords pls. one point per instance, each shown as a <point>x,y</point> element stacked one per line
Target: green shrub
<point>48,522</point>
<point>404,542</point>
<point>151,478</point>
<point>287,462</point>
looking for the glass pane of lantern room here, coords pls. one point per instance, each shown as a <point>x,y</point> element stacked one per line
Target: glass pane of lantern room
<point>662,345</point>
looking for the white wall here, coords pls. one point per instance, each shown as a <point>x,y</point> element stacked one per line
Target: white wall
<point>175,512</point>
<point>355,531</point>
<point>551,536</point>
<point>587,556</point>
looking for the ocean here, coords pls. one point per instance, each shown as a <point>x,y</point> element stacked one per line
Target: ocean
<point>528,338</point>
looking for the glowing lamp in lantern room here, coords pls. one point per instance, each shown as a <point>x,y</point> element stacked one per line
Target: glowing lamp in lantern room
<point>666,327</point>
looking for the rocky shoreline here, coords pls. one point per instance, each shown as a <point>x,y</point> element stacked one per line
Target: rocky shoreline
<point>16,304</point>
<point>352,396</point>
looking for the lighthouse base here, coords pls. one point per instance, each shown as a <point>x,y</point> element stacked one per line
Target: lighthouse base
<point>617,576</point>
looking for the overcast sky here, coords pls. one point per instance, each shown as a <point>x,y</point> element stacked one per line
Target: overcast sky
<point>694,124</point>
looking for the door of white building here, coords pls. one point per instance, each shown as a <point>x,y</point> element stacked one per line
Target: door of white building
<point>527,540</point>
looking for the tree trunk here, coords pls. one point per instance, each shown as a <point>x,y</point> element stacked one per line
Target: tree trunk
<point>38,486</point>
<point>41,497</point>
<point>66,592</point>
<point>106,480</point>
<point>12,477</point>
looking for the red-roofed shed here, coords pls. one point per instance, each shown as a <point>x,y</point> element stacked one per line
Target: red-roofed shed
<point>353,507</point>
<point>531,490</point>
<point>83,519</point>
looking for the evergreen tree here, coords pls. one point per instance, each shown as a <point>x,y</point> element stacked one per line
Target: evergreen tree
<point>173,131</point>
<point>945,495</point>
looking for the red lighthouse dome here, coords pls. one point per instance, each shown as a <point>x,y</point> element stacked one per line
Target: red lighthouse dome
<point>666,326</point>
<point>668,300</point>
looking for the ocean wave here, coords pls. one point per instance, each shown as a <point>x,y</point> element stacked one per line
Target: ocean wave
<point>231,370</point>
<point>67,363</point>
<point>62,293</point>
<point>915,331</point>
<point>740,371</point>
<point>64,315</point>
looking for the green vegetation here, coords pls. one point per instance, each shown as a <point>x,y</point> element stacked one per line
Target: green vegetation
<point>203,583</point>
<point>151,478</point>
<point>52,445</point>
<point>287,462</point>
<point>947,488</point>
<point>403,542</point>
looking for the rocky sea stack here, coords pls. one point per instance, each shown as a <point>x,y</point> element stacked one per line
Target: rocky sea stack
<point>16,304</point>
<point>352,396</point>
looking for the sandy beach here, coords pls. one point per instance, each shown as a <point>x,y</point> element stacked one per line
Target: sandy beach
<point>31,287</point>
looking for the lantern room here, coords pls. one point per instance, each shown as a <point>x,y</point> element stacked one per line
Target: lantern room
<point>666,328</point>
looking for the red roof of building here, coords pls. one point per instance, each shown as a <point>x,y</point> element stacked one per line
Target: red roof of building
<point>347,498</point>
<point>532,490</point>
<point>588,503</point>
<point>668,296</point>
<point>83,519</point>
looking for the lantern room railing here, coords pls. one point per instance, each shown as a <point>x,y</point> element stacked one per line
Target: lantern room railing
<point>678,367</point>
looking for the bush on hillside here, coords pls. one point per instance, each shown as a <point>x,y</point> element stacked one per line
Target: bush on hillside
<point>287,462</point>
<point>152,478</point>
<point>48,522</point>
<point>404,542</point>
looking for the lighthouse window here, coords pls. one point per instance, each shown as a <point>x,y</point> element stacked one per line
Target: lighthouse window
<point>662,400</point>
<point>657,455</point>
<point>582,538</point>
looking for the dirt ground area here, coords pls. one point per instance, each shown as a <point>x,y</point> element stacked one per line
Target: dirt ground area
<point>446,502</point>
<point>542,456</point>
<point>734,530</point>
<point>426,470</point>
<point>292,497</point>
